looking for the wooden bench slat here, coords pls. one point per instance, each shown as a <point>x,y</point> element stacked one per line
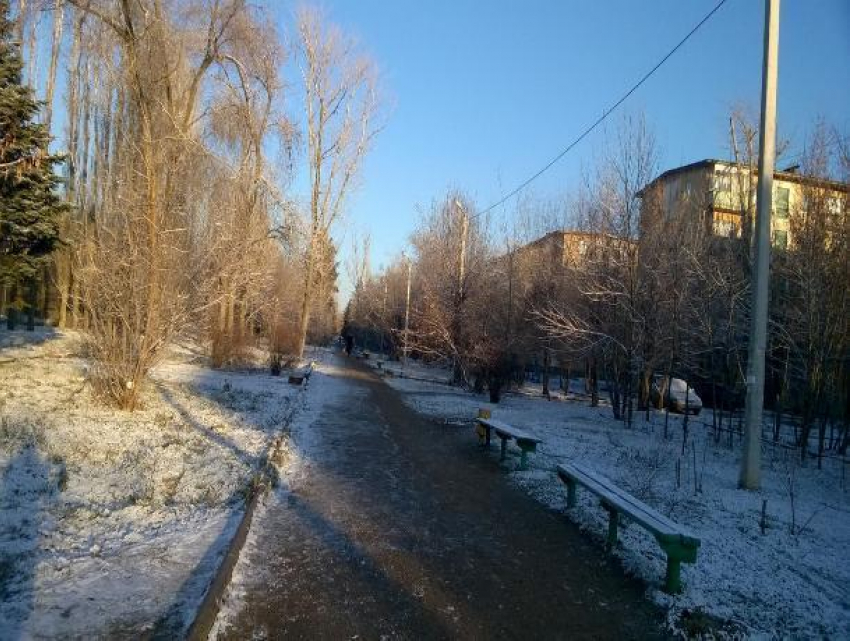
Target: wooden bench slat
<point>678,543</point>
<point>526,442</point>
<point>626,503</point>
<point>607,490</point>
<point>505,430</point>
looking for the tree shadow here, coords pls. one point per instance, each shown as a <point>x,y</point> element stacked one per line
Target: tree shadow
<point>178,617</point>
<point>25,488</point>
<point>199,427</point>
<point>175,621</point>
<point>20,337</point>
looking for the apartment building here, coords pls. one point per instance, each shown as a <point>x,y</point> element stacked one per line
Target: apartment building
<point>721,194</point>
<point>568,248</point>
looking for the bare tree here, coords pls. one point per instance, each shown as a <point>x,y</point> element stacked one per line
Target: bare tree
<point>609,322</point>
<point>810,314</point>
<point>136,290</point>
<point>341,103</point>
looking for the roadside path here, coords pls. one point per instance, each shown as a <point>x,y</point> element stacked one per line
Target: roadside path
<point>399,527</point>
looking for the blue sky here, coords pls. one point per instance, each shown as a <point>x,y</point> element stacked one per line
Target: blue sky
<point>483,93</point>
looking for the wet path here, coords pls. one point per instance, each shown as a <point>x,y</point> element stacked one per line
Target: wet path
<point>404,528</point>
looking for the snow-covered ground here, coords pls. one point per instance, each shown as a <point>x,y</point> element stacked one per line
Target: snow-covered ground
<point>790,581</point>
<point>113,523</point>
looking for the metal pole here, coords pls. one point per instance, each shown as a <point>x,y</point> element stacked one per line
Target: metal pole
<point>750,478</point>
<point>406,316</point>
<point>464,232</point>
<point>383,316</point>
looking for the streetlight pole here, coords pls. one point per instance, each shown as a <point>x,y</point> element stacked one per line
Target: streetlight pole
<point>406,317</point>
<point>750,478</point>
<point>461,273</point>
<point>464,232</point>
<point>384,315</point>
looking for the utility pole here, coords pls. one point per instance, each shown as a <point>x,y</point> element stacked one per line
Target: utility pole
<point>384,314</point>
<point>464,232</point>
<point>461,274</point>
<point>750,478</point>
<point>406,317</point>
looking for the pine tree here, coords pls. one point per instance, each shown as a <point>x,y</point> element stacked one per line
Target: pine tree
<point>29,205</point>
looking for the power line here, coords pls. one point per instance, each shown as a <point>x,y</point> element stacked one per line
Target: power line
<point>604,115</point>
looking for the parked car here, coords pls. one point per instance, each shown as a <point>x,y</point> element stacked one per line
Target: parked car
<point>674,394</point>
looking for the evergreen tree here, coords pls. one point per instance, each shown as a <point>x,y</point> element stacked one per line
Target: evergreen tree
<point>29,205</point>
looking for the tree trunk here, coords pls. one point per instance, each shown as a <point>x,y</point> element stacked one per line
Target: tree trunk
<point>11,309</point>
<point>307,298</point>
<point>643,391</point>
<point>19,21</point>
<point>58,23</point>
<point>32,49</point>
<point>594,384</point>
<point>64,291</point>
<point>32,301</point>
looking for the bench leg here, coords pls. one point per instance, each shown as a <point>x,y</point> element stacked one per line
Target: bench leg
<point>526,448</point>
<point>613,525</point>
<point>504,449</point>
<point>571,494</point>
<point>673,584</point>
<point>676,555</point>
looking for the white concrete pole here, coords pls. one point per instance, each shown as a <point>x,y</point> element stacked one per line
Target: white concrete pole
<point>750,478</point>
<point>406,316</point>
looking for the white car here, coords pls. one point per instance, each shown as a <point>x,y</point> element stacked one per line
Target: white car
<point>678,396</point>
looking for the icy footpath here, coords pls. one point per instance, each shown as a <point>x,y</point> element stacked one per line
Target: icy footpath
<point>791,580</point>
<point>111,523</point>
<point>302,447</point>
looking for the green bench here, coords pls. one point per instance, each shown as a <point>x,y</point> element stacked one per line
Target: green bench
<point>525,441</point>
<point>677,542</point>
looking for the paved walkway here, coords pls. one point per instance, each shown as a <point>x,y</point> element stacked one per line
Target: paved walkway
<point>403,528</point>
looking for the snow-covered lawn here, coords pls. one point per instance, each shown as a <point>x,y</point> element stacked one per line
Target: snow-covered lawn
<point>780,583</point>
<point>112,523</point>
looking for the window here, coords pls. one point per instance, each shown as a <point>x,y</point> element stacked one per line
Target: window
<point>781,203</point>
<point>780,239</point>
<point>724,228</point>
<point>726,225</point>
<point>723,182</point>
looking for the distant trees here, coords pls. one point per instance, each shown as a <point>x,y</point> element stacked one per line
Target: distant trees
<point>29,204</point>
<point>643,285</point>
<point>606,317</point>
<point>810,315</point>
<point>451,252</point>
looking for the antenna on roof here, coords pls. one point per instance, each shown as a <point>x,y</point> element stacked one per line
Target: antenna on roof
<point>733,139</point>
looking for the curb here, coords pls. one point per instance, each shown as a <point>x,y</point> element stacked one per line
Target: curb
<point>263,481</point>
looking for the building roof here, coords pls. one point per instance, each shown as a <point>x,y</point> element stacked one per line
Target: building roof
<point>790,176</point>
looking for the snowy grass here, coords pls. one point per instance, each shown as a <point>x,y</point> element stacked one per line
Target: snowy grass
<point>111,523</point>
<point>792,580</point>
